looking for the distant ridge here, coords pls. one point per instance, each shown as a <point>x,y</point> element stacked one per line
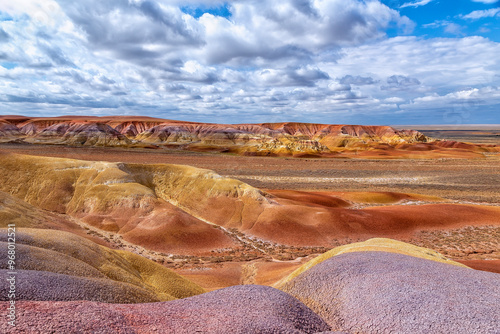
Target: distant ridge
<point>301,140</point>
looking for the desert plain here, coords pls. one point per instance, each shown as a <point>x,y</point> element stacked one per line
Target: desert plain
<point>250,228</point>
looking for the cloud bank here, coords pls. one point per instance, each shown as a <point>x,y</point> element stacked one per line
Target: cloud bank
<point>245,61</point>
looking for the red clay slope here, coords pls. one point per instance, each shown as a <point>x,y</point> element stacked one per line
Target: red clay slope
<point>106,197</point>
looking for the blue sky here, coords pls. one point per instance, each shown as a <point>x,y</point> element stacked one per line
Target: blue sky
<point>328,61</point>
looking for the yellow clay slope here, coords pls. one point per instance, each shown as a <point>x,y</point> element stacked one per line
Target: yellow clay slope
<point>117,265</point>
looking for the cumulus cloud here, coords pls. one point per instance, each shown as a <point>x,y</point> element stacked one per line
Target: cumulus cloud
<point>469,94</point>
<point>394,100</point>
<point>459,106</point>
<point>461,61</point>
<point>306,76</point>
<point>270,30</point>
<point>113,26</point>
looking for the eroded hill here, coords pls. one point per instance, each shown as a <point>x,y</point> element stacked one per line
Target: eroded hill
<point>374,287</point>
<point>182,210</point>
<point>265,139</point>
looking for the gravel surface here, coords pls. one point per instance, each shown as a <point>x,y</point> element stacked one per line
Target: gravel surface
<point>239,309</point>
<point>379,292</point>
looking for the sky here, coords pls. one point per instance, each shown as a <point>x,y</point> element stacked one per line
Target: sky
<point>250,61</point>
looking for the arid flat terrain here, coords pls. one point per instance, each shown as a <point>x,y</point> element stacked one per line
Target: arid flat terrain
<point>469,133</point>
<point>469,136</point>
<point>474,180</point>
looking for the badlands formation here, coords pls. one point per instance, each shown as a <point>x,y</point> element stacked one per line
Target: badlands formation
<point>124,246</point>
<point>267,139</point>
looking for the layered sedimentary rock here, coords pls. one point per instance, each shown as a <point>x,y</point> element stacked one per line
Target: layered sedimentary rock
<point>9,132</point>
<point>116,198</point>
<point>76,133</point>
<point>186,210</point>
<point>266,139</point>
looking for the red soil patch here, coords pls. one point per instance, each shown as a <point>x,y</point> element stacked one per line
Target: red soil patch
<point>268,273</point>
<point>485,265</point>
<point>433,216</point>
<point>313,198</point>
<point>165,229</point>
<point>299,225</point>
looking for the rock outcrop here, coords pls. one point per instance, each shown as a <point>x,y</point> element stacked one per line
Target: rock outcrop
<point>9,132</point>
<point>265,139</point>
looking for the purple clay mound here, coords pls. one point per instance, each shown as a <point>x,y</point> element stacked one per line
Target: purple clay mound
<point>378,292</point>
<point>244,309</point>
<point>47,286</point>
<point>239,309</point>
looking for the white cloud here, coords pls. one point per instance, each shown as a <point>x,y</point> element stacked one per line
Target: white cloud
<point>453,28</point>
<point>416,3</point>
<point>470,98</point>
<point>449,27</point>
<point>394,100</point>
<point>270,30</point>
<point>487,2</point>
<point>39,10</point>
<point>439,62</point>
<point>479,14</point>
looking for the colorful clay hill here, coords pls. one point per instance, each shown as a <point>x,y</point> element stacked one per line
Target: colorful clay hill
<point>130,247</point>
<point>178,209</point>
<point>371,245</point>
<point>266,139</point>
<point>380,286</point>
